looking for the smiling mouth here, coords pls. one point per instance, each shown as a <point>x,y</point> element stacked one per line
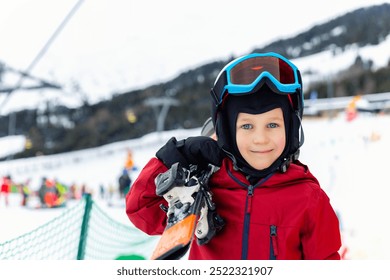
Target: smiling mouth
<point>262,152</point>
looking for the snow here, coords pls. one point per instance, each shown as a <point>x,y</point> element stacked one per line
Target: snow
<point>11,145</point>
<point>348,158</point>
<point>92,167</point>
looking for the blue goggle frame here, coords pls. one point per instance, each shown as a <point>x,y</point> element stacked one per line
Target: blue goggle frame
<point>273,62</point>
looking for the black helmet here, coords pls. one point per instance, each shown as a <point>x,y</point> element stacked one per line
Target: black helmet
<point>207,128</point>
<point>257,83</point>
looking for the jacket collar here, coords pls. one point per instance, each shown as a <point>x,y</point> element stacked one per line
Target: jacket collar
<point>296,173</point>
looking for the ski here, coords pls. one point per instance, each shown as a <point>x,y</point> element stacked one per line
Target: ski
<point>190,211</point>
<point>176,240</point>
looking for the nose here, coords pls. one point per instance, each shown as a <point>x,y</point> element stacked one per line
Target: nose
<point>260,138</point>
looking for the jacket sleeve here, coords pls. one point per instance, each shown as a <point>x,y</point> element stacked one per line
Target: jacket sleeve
<point>321,238</point>
<point>142,203</point>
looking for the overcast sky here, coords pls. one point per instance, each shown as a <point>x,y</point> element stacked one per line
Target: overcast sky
<point>116,45</point>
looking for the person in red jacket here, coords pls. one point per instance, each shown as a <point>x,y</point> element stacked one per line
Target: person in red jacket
<point>272,205</point>
<point>5,188</point>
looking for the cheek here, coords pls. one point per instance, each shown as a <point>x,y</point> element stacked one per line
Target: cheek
<point>240,141</point>
<point>281,142</point>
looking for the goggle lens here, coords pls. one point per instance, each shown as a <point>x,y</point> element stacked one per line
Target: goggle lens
<point>247,71</point>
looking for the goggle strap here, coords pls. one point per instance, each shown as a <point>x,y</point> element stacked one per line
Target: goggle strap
<point>300,78</point>
<point>214,96</point>
<point>219,87</point>
<point>301,134</point>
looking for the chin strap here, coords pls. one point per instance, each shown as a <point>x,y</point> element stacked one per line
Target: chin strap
<point>287,161</point>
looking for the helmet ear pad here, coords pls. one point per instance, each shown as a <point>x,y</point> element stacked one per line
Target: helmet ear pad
<point>296,136</point>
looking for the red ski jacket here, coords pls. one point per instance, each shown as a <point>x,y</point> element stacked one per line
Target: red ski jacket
<point>283,216</point>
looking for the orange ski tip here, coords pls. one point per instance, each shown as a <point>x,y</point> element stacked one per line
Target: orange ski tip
<point>177,236</point>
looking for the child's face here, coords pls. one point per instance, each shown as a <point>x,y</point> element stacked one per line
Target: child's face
<point>261,138</point>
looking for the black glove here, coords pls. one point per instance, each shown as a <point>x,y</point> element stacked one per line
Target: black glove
<point>198,150</point>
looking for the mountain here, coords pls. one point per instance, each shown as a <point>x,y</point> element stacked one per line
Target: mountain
<point>348,55</point>
<point>362,27</point>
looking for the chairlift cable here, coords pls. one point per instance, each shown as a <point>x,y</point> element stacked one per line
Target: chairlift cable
<point>42,51</point>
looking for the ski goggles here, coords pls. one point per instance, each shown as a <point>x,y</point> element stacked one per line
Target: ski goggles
<point>244,75</point>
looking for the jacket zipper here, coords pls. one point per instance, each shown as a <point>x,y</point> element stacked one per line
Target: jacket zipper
<point>273,242</point>
<point>248,209</point>
<point>245,237</point>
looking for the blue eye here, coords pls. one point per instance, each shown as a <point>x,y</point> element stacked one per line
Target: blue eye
<point>273,125</point>
<point>246,126</point>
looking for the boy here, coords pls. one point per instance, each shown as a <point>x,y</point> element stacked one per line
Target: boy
<point>273,207</point>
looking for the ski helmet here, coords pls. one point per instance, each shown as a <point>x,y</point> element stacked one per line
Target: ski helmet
<point>257,83</point>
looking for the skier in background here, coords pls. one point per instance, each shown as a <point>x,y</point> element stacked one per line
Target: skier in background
<point>25,192</point>
<point>124,183</point>
<point>125,178</point>
<point>129,164</point>
<point>273,206</point>
<point>5,188</point>
<point>51,193</point>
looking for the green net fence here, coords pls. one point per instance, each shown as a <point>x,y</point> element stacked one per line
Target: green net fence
<point>83,232</point>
